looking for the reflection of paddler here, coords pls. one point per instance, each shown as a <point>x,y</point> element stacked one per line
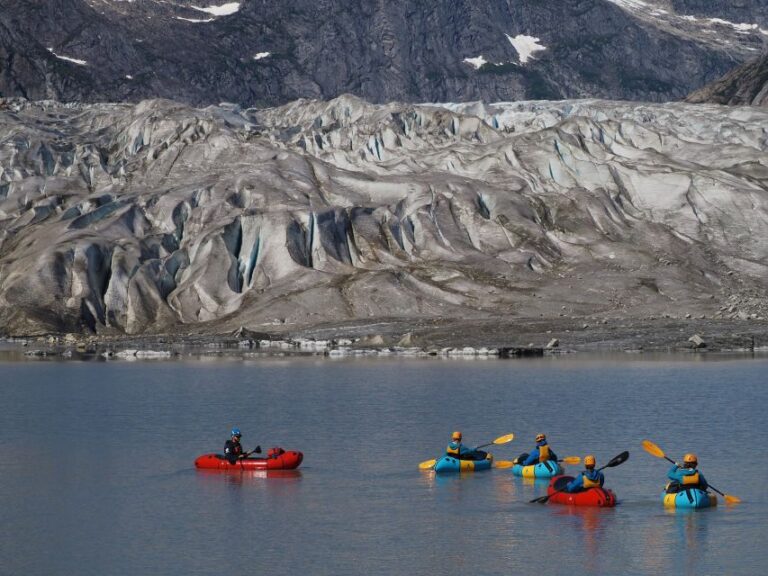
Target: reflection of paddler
<point>504,488</point>
<point>592,521</point>
<point>533,481</point>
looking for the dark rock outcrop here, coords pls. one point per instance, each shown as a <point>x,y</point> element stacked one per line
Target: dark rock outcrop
<point>269,53</point>
<point>747,85</point>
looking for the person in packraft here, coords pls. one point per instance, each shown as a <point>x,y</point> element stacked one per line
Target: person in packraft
<point>457,450</point>
<point>686,476</point>
<point>589,478</point>
<point>233,450</point>
<point>541,453</point>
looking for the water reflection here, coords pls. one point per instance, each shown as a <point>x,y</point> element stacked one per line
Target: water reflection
<point>254,477</point>
<point>680,538</point>
<point>363,509</point>
<point>505,489</point>
<point>592,524</point>
<point>690,534</point>
<point>530,488</point>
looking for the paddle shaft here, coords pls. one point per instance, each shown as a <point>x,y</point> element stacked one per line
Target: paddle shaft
<point>654,450</point>
<point>500,440</point>
<point>708,484</point>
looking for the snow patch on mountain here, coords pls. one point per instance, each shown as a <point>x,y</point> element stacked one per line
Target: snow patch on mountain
<point>651,11</point>
<point>478,62</point>
<point>68,59</point>
<point>195,20</point>
<point>525,46</point>
<point>742,28</point>
<point>261,55</point>
<point>223,10</point>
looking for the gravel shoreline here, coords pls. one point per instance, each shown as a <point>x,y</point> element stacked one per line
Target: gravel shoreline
<point>400,337</point>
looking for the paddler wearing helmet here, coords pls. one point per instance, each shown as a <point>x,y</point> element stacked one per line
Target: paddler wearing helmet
<point>457,450</point>
<point>686,475</point>
<point>541,453</point>
<point>233,450</point>
<point>589,478</point>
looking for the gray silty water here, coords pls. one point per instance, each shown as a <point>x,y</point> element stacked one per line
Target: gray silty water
<point>97,476</point>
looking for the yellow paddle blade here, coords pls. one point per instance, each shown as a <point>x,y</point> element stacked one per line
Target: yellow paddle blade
<point>503,464</point>
<point>732,499</point>
<point>571,460</point>
<point>504,439</point>
<point>652,449</point>
<point>427,464</point>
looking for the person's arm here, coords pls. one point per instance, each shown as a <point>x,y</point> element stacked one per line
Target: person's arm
<point>703,482</point>
<point>575,484</point>
<point>601,479</point>
<point>533,457</point>
<point>675,474</point>
<point>552,455</point>
<point>229,452</point>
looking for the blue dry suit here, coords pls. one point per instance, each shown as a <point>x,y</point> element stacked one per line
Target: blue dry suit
<point>687,478</point>
<point>587,479</point>
<point>533,457</point>
<point>458,450</point>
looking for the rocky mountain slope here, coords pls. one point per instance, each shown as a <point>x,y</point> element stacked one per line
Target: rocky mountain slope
<point>159,217</point>
<point>258,52</point>
<point>746,85</point>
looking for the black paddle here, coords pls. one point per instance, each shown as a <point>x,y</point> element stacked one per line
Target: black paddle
<point>615,461</point>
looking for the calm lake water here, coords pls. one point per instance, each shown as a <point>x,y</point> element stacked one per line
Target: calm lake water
<point>97,475</point>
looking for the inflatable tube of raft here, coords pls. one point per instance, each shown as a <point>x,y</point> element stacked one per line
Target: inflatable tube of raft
<point>689,498</point>
<point>590,497</point>
<point>546,469</point>
<point>449,464</point>
<point>288,460</point>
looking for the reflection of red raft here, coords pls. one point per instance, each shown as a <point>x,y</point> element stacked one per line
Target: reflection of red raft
<point>590,497</point>
<point>277,459</point>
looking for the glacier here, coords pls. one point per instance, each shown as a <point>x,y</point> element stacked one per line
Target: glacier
<point>163,218</point>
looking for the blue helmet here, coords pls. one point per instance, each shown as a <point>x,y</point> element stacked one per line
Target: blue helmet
<point>236,432</point>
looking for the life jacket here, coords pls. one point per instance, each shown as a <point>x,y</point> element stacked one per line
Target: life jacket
<point>588,483</point>
<point>689,479</point>
<point>543,453</point>
<point>232,447</point>
<point>454,449</point>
